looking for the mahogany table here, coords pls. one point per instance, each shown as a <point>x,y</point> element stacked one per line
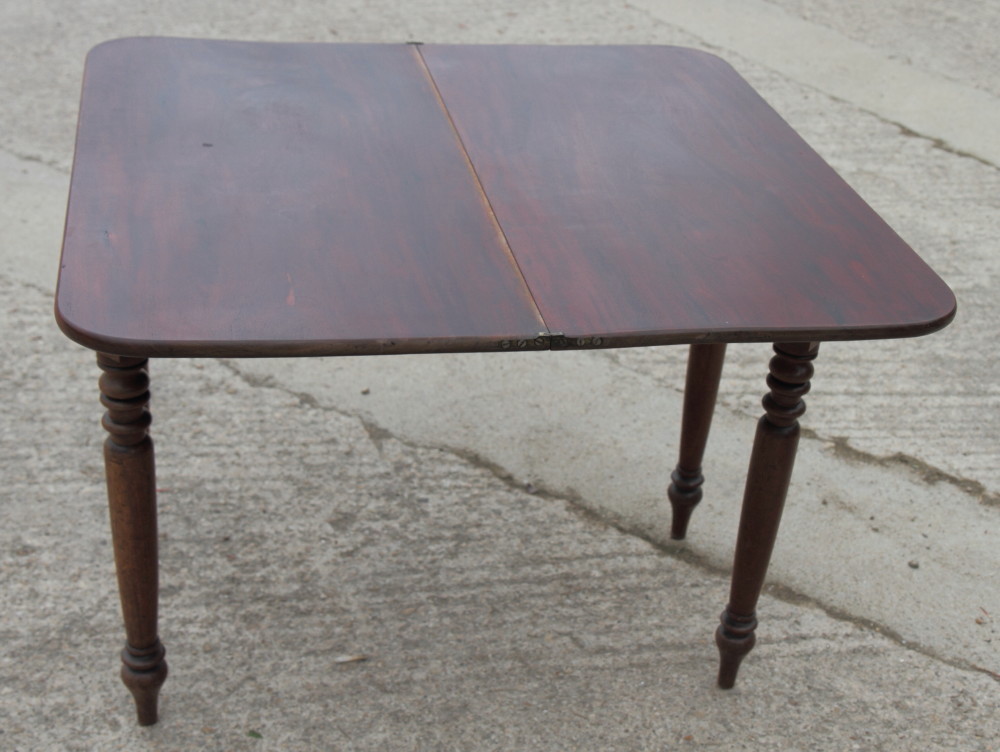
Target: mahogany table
<point>234,199</point>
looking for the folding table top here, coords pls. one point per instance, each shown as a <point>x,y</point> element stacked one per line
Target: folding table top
<point>265,199</point>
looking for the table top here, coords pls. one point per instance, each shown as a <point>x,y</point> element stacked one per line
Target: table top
<point>269,199</point>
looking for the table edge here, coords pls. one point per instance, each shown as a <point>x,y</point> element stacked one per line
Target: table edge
<point>499,343</point>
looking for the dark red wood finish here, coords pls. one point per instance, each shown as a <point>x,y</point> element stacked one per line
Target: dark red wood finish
<point>257,199</point>
<point>768,476</point>
<point>651,196</point>
<point>266,199</point>
<point>700,390</point>
<point>131,478</point>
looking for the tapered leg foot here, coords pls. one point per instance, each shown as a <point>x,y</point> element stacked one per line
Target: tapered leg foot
<point>130,470</point>
<point>770,472</point>
<point>700,390</point>
<point>143,672</point>
<point>684,493</point>
<point>735,638</point>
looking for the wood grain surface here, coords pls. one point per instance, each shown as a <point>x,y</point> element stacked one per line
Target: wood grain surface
<point>261,199</point>
<point>650,195</point>
<point>265,199</point>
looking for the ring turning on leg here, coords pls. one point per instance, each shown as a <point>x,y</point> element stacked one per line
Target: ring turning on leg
<point>702,386</point>
<point>764,498</point>
<point>129,465</point>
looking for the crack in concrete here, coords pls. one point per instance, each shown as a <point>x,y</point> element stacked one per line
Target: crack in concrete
<point>28,284</point>
<point>935,141</point>
<point>927,472</point>
<point>573,502</point>
<point>51,163</point>
<point>842,448</point>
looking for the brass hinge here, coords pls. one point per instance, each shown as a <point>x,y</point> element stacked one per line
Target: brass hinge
<point>551,341</point>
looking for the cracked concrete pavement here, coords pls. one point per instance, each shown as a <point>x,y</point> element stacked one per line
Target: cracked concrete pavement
<point>491,531</point>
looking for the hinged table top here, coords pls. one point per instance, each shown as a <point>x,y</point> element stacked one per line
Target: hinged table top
<point>236,198</point>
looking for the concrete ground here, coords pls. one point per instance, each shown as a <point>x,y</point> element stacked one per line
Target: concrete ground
<point>491,531</point>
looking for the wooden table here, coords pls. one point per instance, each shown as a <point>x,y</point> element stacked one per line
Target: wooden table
<point>235,199</point>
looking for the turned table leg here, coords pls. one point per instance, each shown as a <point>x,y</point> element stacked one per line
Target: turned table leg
<point>767,483</point>
<point>702,386</point>
<point>128,462</point>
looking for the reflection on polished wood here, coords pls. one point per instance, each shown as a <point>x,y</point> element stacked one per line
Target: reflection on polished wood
<point>248,199</point>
